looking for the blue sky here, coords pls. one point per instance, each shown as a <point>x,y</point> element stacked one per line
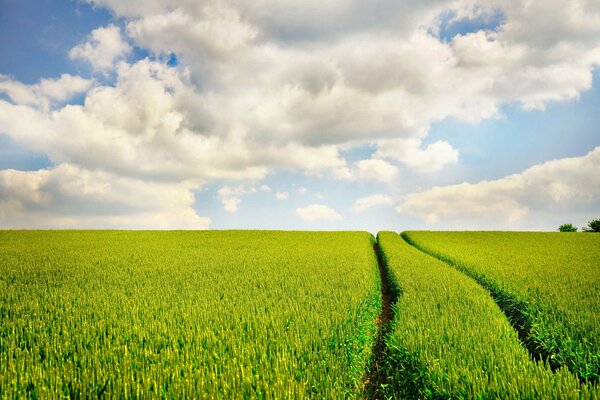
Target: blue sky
<point>443,115</point>
<point>36,36</point>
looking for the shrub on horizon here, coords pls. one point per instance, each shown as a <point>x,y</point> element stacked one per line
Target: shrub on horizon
<point>592,226</point>
<point>567,228</point>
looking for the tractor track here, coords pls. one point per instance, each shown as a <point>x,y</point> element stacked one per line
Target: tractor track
<point>376,377</point>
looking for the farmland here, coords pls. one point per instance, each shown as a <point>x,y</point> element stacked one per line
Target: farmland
<point>450,340</point>
<point>268,314</point>
<point>548,284</point>
<point>208,314</point>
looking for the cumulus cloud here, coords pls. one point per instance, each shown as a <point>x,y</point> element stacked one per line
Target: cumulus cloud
<point>231,204</point>
<point>369,170</point>
<point>46,93</point>
<point>433,158</point>
<point>69,197</point>
<point>231,197</point>
<point>378,170</point>
<point>365,203</point>
<point>253,92</point>
<point>103,48</point>
<point>153,124</point>
<point>318,212</point>
<point>292,78</point>
<point>288,85</point>
<point>282,195</point>
<point>568,187</point>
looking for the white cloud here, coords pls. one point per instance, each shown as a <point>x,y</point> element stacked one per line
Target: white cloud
<point>377,70</point>
<point>369,170</point>
<point>152,124</point>
<point>282,195</point>
<point>302,190</point>
<point>275,85</point>
<point>407,151</point>
<point>318,212</point>
<point>289,76</point>
<point>253,94</point>
<point>103,48</point>
<point>365,203</point>
<point>377,170</point>
<point>540,196</point>
<point>47,92</point>
<point>215,29</point>
<point>231,197</point>
<point>70,197</point>
<point>231,204</point>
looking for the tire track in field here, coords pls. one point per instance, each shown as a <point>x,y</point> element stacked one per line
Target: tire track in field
<point>376,378</point>
<point>516,311</point>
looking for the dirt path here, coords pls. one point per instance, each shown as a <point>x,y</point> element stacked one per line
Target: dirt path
<point>376,377</point>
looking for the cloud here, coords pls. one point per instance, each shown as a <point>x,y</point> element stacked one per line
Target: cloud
<point>69,197</point>
<point>433,158</point>
<point>46,93</point>
<point>282,195</point>
<point>318,212</point>
<point>364,203</point>
<point>291,79</point>
<point>249,98</point>
<point>378,170</point>
<point>102,49</point>
<point>539,196</point>
<point>231,204</point>
<point>231,197</point>
<point>216,29</point>
<point>369,170</point>
<point>152,123</point>
<point>277,86</point>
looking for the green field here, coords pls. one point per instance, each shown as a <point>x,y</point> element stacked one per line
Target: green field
<point>450,340</point>
<point>549,284</point>
<point>267,314</point>
<point>186,314</point>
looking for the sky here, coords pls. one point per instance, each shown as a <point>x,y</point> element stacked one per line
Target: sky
<point>279,114</point>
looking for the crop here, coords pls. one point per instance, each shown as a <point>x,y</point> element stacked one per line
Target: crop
<point>450,340</point>
<point>547,283</point>
<point>186,314</point>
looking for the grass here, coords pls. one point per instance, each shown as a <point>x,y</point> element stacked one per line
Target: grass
<point>186,314</point>
<point>266,314</point>
<point>450,340</point>
<point>547,283</point>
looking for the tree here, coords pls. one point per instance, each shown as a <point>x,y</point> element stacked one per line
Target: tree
<point>592,226</point>
<point>567,228</point>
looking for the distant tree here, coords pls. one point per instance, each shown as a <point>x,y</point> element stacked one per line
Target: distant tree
<point>567,228</point>
<point>592,226</point>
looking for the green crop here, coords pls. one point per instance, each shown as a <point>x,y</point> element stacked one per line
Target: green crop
<point>257,314</point>
<point>186,314</point>
<point>450,340</point>
<point>547,283</point>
